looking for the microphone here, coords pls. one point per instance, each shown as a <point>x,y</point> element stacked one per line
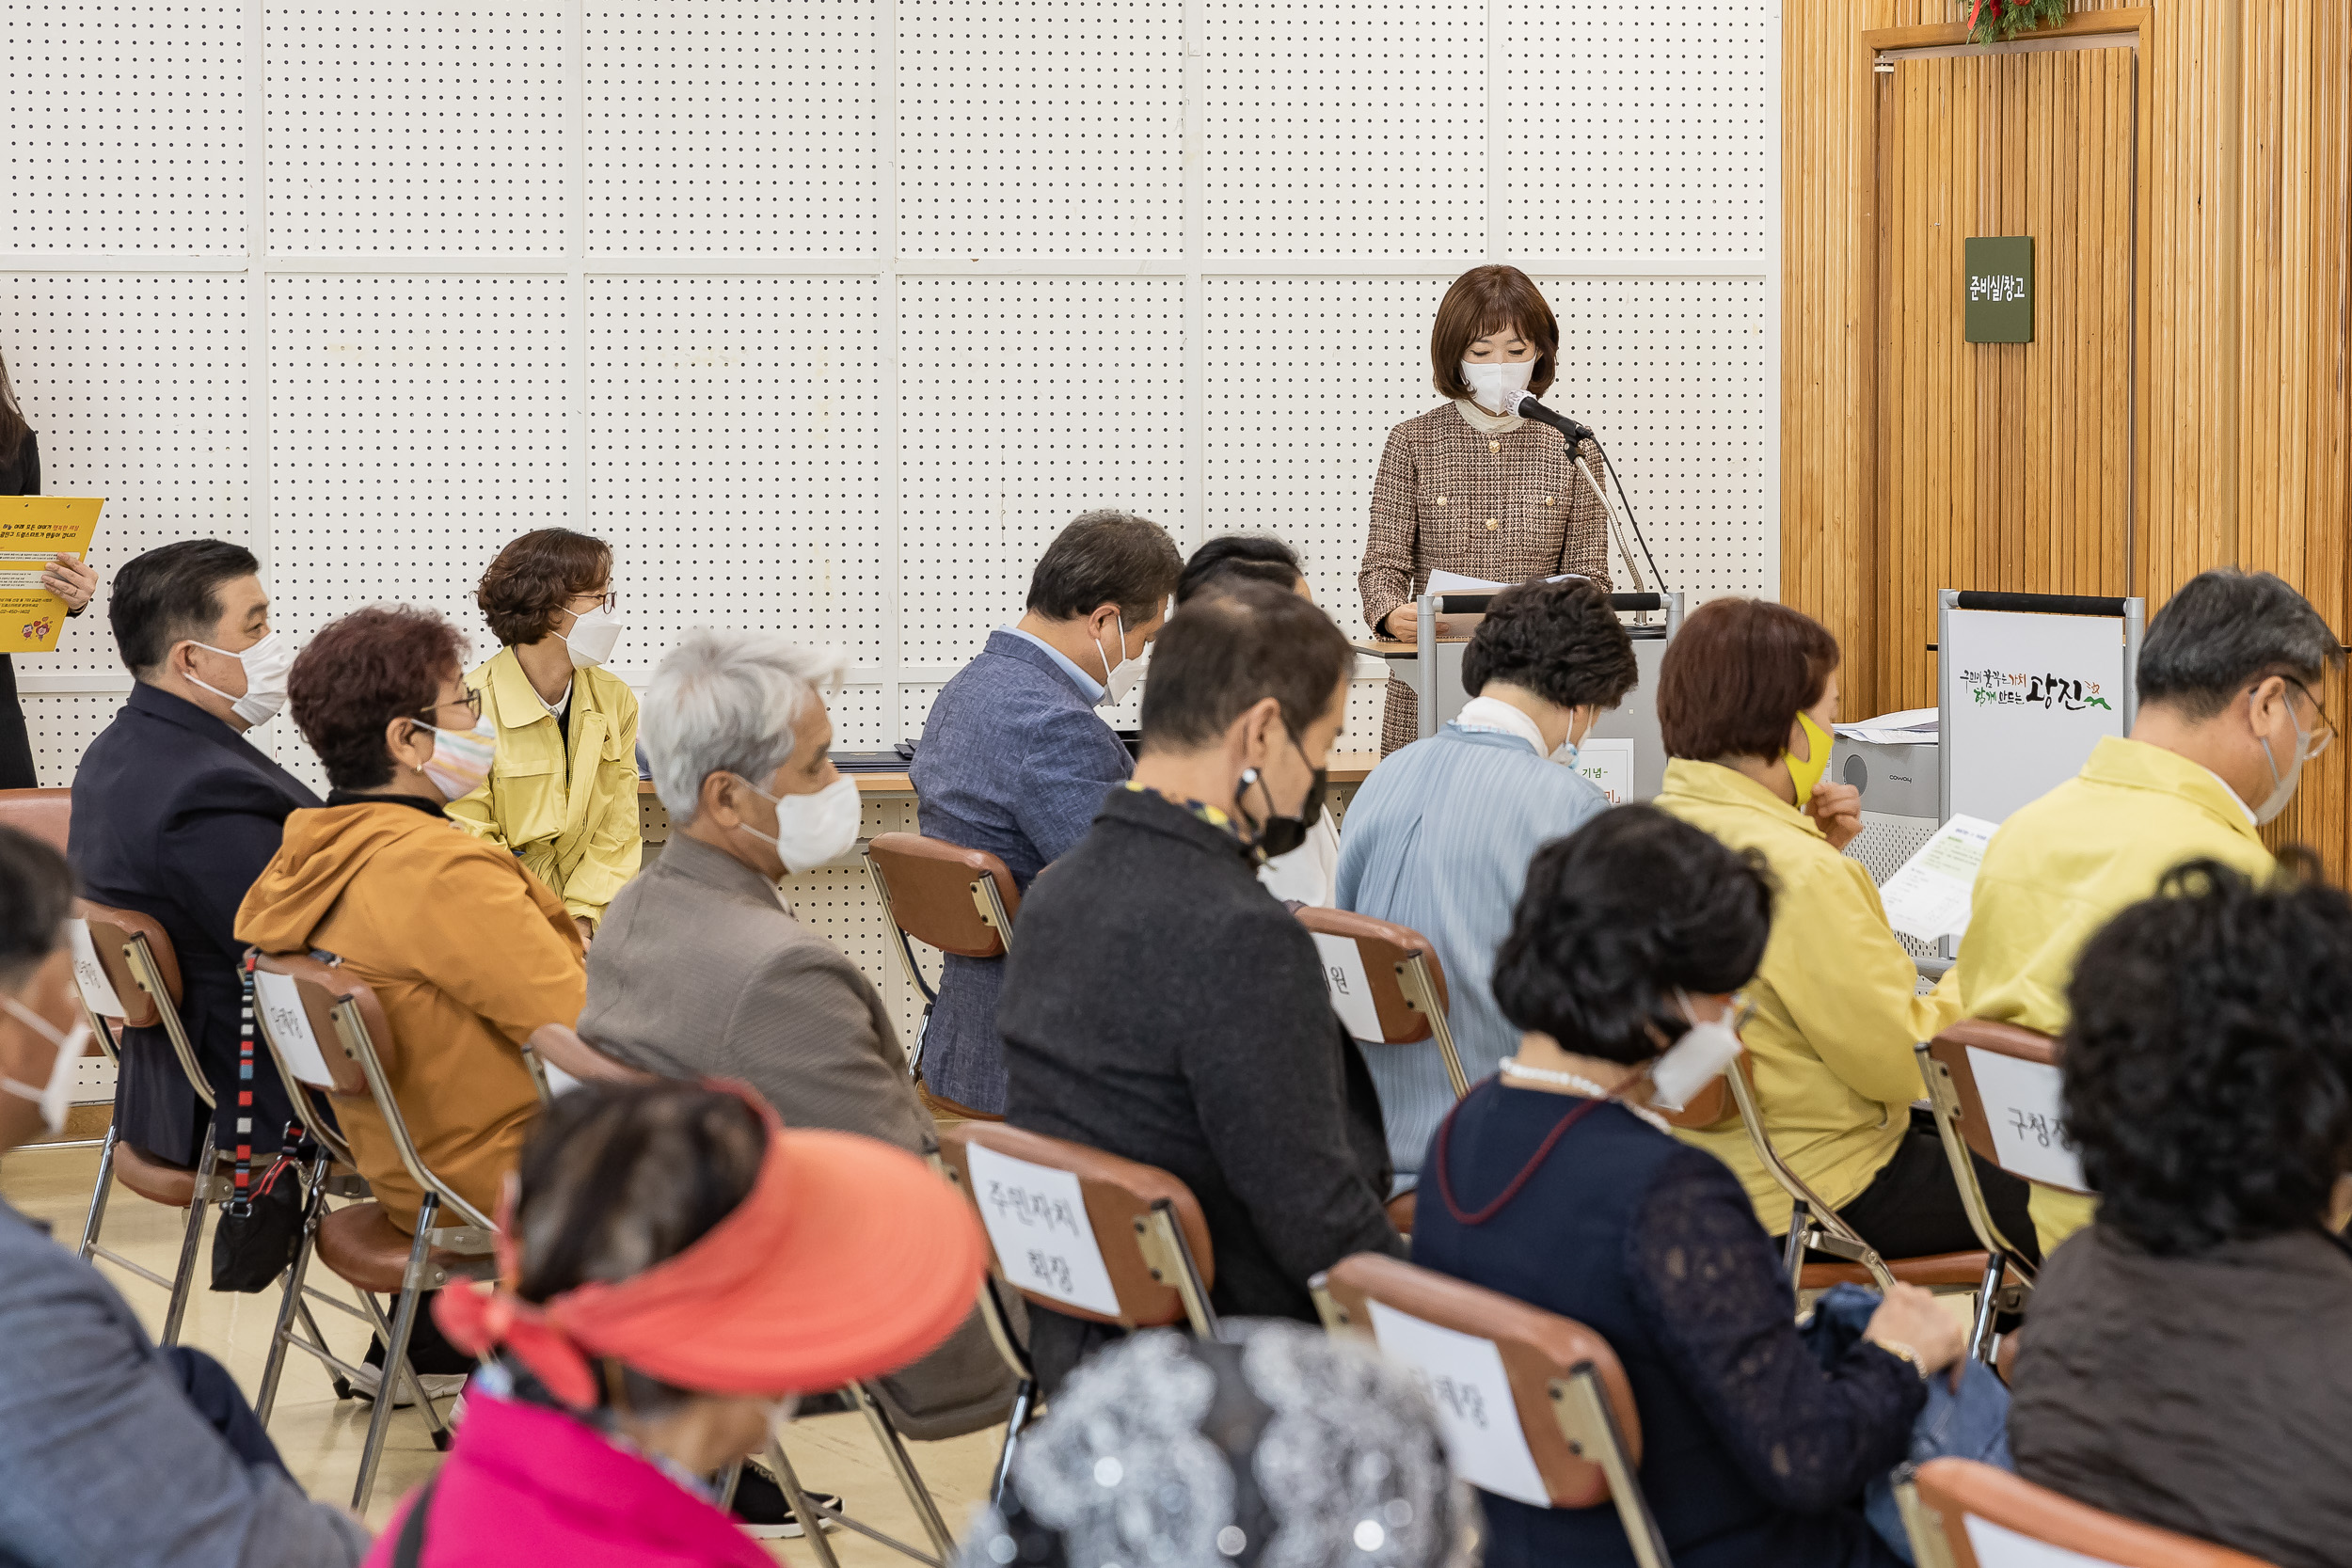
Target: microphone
<point>1528,408</point>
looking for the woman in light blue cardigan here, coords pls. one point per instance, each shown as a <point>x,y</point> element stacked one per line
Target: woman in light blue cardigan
<point>1439,837</point>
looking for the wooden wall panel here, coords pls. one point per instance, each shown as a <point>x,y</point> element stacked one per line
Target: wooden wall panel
<point>2241,301</point>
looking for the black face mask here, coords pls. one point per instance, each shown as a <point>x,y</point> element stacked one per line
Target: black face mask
<point>1279,834</point>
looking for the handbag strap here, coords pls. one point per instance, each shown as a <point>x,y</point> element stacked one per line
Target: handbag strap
<point>409,1551</point>
<point>240,1203</point>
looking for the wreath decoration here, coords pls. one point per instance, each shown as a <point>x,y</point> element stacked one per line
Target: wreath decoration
<point>1998,20</point>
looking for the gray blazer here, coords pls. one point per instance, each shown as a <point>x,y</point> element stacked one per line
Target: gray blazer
<point>701,971</point>
<point>105,1459</point>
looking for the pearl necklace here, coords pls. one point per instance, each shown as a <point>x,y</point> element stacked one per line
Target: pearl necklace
<point>1513,1067</point>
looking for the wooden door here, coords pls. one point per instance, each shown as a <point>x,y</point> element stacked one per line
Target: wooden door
<point>2000,465</point>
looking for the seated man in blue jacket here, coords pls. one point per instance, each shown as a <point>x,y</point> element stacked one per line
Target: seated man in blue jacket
<point>1015,760</point>
<point>175,813</point>
<point>114,1451</point>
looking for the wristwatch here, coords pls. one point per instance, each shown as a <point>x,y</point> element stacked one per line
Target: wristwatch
<point>1896,1348</point>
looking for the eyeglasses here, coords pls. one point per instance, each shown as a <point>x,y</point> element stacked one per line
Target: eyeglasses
<point>471,701</point>
<point>2325,735</point>
<point>611,602</point>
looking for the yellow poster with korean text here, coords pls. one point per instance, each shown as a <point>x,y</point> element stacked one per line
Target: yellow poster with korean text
<point>33,528</point>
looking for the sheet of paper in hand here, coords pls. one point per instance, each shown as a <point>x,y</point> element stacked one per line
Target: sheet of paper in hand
<point>2023,1109</point>
<point>96,990</point>
<point>1927,896</point>
<point>33,528</point>
<point>1475,1412</point>
<point>281,1001</point>
<point>1351,987</point>
<point>1037,1220</point>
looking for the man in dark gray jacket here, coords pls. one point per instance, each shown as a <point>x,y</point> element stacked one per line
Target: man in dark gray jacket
<point>111,1451</point>
<point>702,970</point>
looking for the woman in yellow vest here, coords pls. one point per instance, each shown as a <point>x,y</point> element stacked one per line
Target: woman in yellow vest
<point>1746,697</point>
<point>562,793</point>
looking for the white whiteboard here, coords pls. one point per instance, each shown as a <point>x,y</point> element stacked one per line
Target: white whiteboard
<point>2026,698</point>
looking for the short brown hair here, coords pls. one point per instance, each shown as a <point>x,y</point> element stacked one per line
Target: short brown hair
<point>358,674</point>
<point>531,578</point>
<point>1486,300</point>
<point>1737,676</point>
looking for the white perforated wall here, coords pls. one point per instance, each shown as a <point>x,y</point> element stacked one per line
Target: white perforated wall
<point>828,314</point>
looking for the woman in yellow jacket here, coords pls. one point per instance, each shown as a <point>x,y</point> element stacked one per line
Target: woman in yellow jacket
<point>1746,696</point>
<point>562,795</point>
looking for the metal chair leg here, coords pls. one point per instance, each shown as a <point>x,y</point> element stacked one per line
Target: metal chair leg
<point>812,1528</point>
<point>97,1215</point>
<point>395,1359</point>
<point>1988,1292</point>
<point>313,1206</point>
<point>729,1479</point>
<point>902,1464</point>
<point>183,1278</point>
<point>1024,1395</point>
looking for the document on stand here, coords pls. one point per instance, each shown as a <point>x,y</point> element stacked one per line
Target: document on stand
<point>1928,899</point>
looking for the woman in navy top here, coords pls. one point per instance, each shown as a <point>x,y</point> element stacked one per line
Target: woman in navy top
<point>1553,1184</point>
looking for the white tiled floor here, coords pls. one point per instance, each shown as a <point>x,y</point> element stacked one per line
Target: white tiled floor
<point>321,1437</point>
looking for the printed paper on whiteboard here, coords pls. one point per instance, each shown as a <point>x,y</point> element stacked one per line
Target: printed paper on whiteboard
<point>1475,1413</point>
<point>289,1022</point>
<point>1350,986</point>
<point>2031,696</point>
<point>2022,1108</point>
<point>1929,896</point>
<point>89,974</point>
<point>1037,1221</point>
<point>1609,766</point>
<point>1998,1546</point>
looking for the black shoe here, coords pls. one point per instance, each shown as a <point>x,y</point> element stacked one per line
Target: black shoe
<point>763,1514</point>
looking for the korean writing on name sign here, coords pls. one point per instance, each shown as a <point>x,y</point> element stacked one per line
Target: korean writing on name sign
<point>1350,985</point>
<point>98,992</point>
<point>1037,1220</point>
<point>2000,289</point>
<point>279,1001</point>
<point>1476,1415</point>
<point>2022,1108</point>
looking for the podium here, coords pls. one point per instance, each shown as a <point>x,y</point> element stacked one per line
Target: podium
<point>1433,668</point>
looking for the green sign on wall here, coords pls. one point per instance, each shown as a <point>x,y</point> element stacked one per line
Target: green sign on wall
<point>2000,289</point>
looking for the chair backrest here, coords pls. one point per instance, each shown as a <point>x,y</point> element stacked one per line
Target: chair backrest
<point>1493,1427</point>
<point>45,813</point>
<point>1065,1222</point>
<point>112,931</point>
<point>2008,1087</point>
<point>1963,1515</point>
<point>937,893</point>
<point>1381,956</point>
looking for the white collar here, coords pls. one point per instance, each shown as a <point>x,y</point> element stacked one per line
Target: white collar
<point>561,705</point>
<point>1486,423</point>
<point>1492,713</point>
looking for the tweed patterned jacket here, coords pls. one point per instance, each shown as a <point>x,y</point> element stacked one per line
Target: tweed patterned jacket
<point>1507,507</point>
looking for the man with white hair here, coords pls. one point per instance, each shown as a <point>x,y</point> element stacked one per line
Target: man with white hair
<point>702,970</point>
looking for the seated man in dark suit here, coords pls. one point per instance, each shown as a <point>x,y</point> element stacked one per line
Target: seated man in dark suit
<point>1015,760</point>
<point>1161,1004</point>
<point>175,813</point>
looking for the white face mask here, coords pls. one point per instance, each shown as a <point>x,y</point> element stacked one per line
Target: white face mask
<point>1489,382</point>
<point>811,830</point>
<point>58,1095</point>
<point>1693,1062</point>
<point>592,637</point>
<point>2282,784</point>
<point>266,666</point>
<point>1120,679</point>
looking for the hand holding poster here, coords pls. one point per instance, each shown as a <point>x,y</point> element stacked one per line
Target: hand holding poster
<point>33,528</point>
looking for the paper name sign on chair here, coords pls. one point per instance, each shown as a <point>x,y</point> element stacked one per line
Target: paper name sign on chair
<point>2021,1106</point>
<point>1037,1220</point>
<point>1476,1414</point>
<point>1351,987</point>
<point>1998,1546</point>
<point>281,1001</point>
<point>98,992</point>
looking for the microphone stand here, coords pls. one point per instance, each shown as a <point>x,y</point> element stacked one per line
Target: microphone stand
<point>1577,434</point>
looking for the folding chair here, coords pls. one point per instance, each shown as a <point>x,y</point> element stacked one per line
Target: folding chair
<point>1403,975</point>
<point>1814,1225</point>
<point>138,981</point>
<point>1994,1089</point>
<point>960,901</point>
<point>300,1002</point>
<point>559,1059</point>
<point>45,813</point>
<point>1084,1233</point>
<point>1574,1439</point>
<point>1962,1514</point>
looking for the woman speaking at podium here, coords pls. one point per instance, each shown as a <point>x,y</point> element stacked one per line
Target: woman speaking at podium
<point>1464,488</point>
